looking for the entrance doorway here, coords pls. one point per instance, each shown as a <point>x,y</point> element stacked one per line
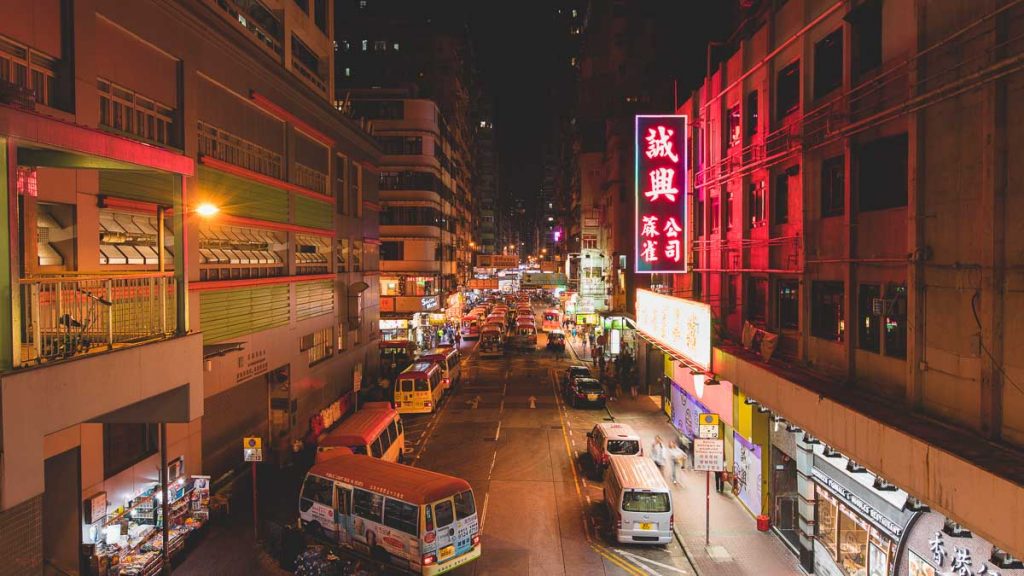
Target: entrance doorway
<point>786,508</point>
<point>62,513</point>
<point>282,407</point>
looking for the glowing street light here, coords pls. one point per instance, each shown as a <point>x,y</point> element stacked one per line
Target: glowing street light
<point>207,209</point>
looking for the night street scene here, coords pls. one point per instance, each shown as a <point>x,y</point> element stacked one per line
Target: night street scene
<point>528,288</point>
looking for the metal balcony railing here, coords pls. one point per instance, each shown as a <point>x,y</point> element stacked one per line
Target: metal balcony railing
<point>310,178</point>
<point>64,317</point>
<point>223,145</point>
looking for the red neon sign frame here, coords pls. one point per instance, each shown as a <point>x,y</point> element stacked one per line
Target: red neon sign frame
<point>662,192</point>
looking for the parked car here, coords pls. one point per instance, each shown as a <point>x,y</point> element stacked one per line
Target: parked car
<point>556,340</point>
<point>573,372</point>
<point>586,391</point>
<point>609,438</point>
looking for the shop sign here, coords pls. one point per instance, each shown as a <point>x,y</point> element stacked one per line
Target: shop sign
<point>747,470</point>
<point>251,365</point>
<point>709,454</point>
<point>387,303</point>
<point>252,449</point>
<point>683,326</point>
<point>394,324</point>
<point>430,303</point>
<point>661,185</point>
<point>708,424</point>
<point>934,552</point>
<point>95,508</point>
<point>357,379</point>
<point>333,412</point>
<point>893,529</point>
<point>200,497</point>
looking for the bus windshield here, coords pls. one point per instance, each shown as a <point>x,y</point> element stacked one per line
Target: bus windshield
<point>634,501</point>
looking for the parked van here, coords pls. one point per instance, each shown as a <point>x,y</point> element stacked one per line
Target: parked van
<point>418,388</point>
<point>639,501</point>
<point>492,343</point>
<point>448,359</point>
<point>611,439</point>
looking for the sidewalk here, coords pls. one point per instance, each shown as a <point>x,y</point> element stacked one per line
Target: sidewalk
<point>737,548</point>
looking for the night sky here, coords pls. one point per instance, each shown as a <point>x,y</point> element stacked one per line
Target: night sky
<point>517,47</point>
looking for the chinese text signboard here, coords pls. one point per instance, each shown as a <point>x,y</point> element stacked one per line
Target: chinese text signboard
<point>662,233</point>
<point>709,454</point>
<point>683,326</point>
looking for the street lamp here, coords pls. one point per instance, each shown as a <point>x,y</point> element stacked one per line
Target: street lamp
<point>207,210</point>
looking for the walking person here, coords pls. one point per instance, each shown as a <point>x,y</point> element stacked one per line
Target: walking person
<point>719,481</point>
<point>658,453</point>
<point>678,460</point>
<point>634,390</point>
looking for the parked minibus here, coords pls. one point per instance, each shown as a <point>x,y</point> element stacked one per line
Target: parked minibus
<point>395,355</point>
<point>376,430</point>
<point>448,358</point>
<point>639,501</point>
<point>525,333</point>
<point>421,521</point>
<point>552,320</point>
<point>418,388</point>
<point>492,341</point>
<point>470,327</point>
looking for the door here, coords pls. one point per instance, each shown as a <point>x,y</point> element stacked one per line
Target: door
<point>785,513</point>
<point>444,518</point>
<point>62,513</point>
<point>343,514</point>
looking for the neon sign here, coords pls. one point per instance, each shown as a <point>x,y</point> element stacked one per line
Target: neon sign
<point>661,182</point>
<point>683,326</point>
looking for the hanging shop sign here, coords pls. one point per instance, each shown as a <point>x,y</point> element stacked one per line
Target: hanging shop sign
<point>394,324</point>
<point>708,425</point>
<point>251,365</point>
<point>661,183</point>
<point>430,303</point>
<point>683,326</point>
<point>747,471</point>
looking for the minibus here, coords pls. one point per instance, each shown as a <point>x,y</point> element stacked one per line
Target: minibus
<point>639,501</point>
<point>418,388</point>
<point>552,320</point>
<point>525,333</point>
<point>470,327</point>
<point>448,358</point>
<point>376,430</point>
<point>415,519</point>
<point>395,355</point>
<point>492,343</point>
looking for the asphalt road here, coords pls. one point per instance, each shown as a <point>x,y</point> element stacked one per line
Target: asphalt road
<point>539,512</point>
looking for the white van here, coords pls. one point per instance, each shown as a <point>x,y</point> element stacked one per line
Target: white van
<point>639,501</point>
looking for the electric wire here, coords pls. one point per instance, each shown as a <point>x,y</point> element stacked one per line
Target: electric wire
<point>981,341</point>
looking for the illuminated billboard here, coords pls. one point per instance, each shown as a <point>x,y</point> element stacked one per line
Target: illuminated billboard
<point>661,189</point>
<point>682,326</point>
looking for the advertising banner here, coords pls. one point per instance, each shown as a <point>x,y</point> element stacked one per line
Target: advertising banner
<point>747,468</point>
<point>686,411</point>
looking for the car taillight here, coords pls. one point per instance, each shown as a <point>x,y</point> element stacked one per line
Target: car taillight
<point>581,395</point>
<point>446,381</point>
<point>671,521</point>
<point>428,404</point>
<point>618,523</point>
<point>398,404</point>
<point>604,459</point>
<point>476,539</point>
<point>429,559</point>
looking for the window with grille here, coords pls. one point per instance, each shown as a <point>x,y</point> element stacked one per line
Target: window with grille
<point>869,317</point>
<point>357,255</point>
<point>29,69</point>
<point>319,345</point>
<point>128,112</point>
<point>235,252</point>
<point>758,211</point>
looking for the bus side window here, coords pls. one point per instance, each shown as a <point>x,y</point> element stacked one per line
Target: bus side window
<point>376,447</point>
<point>316,489</point>
<point>421,386</point>
<point>393,430</point>
<point>444,513</point>
<point>343,494</point>
<point>428,517</point>
<point>401,427</point>
<point>386,440</point>
<point>367,504</point>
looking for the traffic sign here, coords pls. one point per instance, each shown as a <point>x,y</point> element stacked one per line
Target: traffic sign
<point>709,454</point>
<point>252,448</point>
<point>707,424</point>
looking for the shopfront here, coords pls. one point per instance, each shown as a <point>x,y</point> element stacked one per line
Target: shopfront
<point>395,329</point>
<point>935,546</point>
<point>861,521</point>
<point>620,332</point>
<point>784,482</point>
<point>124,533</point>
<point>690,395</point>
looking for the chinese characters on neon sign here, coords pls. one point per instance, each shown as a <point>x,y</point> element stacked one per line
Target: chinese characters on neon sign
<point>661,200</point>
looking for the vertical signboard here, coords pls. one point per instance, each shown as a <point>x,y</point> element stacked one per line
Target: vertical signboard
<point>662,231</point>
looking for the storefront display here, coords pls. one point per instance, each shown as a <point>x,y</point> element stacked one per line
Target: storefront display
<point>129,541</point>
<point>935,547</point>
<point>747,472</point>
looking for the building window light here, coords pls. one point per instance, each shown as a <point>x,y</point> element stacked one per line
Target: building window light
<point>366,45</point>
<point>395,46</point>
<point>348,72</point>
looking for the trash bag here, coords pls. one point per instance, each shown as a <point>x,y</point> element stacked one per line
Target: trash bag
<point>316,560</point>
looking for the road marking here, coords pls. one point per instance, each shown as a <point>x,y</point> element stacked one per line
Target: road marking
<point>497,434</point>
<point>483,512</point>
<point>652,562</point>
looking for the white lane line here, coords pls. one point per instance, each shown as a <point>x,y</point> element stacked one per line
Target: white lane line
<point>632,560</point>
<point>483,513</point>
<point>497,434</point>
<point>494,458</point>
<point>637,558</point>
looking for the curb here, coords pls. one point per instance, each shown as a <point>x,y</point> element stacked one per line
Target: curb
<point>686,551</point>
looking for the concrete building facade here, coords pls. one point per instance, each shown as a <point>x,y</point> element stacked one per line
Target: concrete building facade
<point>197,223</point>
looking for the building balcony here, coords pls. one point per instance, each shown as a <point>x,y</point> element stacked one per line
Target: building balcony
<point>426,267</point>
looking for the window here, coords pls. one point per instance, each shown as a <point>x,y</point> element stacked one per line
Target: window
<point>757,204</point>
<point>393,430</point>
<point>868,321</point>
<point>341,336</point>
<point>732,291</point>
<point>342,254</point>
<point>125,445</point>
<point>357,255</point>
<point>421,386</point>
<point>320,14</point>
<point>833,196</point>
<point>787,96</point>
<point>367,504</point>
<point>318,489</point>
<point>866,37</point>
<point>780,199</point>
<point>319,345</point>
<point>735,127</point>
<point>377,447</point>
<point>728,210</point>
<point>340,175</point>
<point>303,4</point>
<point>827,310</point>
<point>125,111</point>
<point>716,215</point>
<point>882,174</point>
<point>788,303</point>
<point>401,145</point>
<point>410,216</point>
<point>464,505</point>
<point>365,45</point>
<point>29,69</point>
<point>401,516</point>
<point>395,46</point>
<point>757,309</point>
<point>653,502</point>
<point>828,512</point>
<point>380,45</point>
<point>428,517</point>
<point>357,190</point>
<point>392,250</point>
<point>589,242</point>
<point>853,542</point>
<point>828,64</point>
<point>895,316</point>
<point>307,64</point>
<point>752,126</point>
<point>443,513</point>
<point>343,498</point>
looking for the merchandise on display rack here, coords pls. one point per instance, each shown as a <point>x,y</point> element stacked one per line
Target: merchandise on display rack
<point>129,541</point>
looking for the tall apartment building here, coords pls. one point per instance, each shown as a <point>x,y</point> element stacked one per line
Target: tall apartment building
<point>857,237</point>
<point>188,225</point>
<point>405,66</point>
<point>486,182</point>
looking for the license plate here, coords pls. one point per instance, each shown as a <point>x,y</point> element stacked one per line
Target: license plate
<point>446,552</point>
<point>646,526</point>
<point>591,397</point>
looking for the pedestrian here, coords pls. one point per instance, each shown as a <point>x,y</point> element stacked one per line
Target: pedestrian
<point>458,339</point>
<point>634,390</point>
<point>719,481</point>
<point>590,337</point>
<point>658,452</point>
<point>678,460</point>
